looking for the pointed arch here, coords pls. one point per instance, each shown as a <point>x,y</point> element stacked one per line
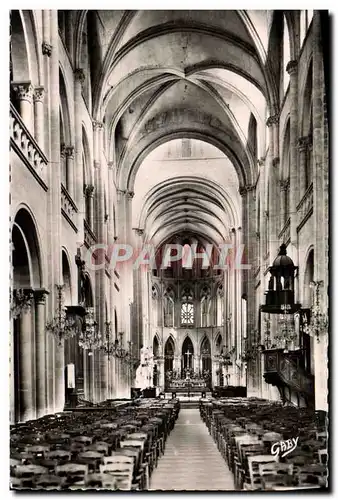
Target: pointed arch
<point>26,258</point>
<point>156,346</point>
<point>169,354</point>
<point>66,277</point>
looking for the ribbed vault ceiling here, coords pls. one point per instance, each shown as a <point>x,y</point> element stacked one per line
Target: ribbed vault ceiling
<point>168,75</point>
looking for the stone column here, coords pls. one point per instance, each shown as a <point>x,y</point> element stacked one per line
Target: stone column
<point>100,276</point>
<point>55,200</point>
<point>248,283</point>
<point>24,92</point>
<point>273,179</point>
<point>39,131</point>
<point>79,78</point>
<point>69,152</point>
<point>137,323</point>
<point>283,215</point>
<point>27,404</point>
<point>40,343</point>
<point>303,144</point>
<point>320,207</point>
<point>292,69</point>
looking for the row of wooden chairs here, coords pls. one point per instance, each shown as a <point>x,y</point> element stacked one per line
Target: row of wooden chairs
<point>104,450</point>
<point>245,443</point>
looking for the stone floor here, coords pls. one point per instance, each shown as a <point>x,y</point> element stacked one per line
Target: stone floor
<point>191,460</point>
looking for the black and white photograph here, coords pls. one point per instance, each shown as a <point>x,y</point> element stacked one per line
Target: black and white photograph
<point>169,250</point>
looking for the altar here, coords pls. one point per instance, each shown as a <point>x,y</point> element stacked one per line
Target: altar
<point>187,381</point>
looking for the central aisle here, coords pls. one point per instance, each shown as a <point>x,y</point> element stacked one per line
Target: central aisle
<point>191,460</point>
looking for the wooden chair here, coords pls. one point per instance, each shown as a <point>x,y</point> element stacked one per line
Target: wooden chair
<point>322,455</point>
<point>253,465</point>
<point>91,458</point>
<point>59,456</point>
<point>275,473</point>
<point>29,471</point>
<point>73,473</point>
<point>49,482</point>
<point>100,447</point>
<point>312,473</point>
<point>122,473</point>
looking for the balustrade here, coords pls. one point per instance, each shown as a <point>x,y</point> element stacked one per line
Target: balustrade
<point>27,148</point>
<point>285,236</point>
<point>305,206</point>
<point>68,208</point>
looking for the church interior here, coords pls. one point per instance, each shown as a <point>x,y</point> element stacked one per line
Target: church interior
<point>169,259</point>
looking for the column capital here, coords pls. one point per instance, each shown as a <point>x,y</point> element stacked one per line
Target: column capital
<point>46,49</point>
<point>272,120</point>
<point>243,190</point>
<point>39,94</point>
<point>79,75</point>
<point>69,152</point>
<point>138,231</point>
<point>275,161</point>
<point>24,91</point>
<point>261,162</point>
<point>111,165</point>
<point>88,190</point>
<point>303,143</point>
<point>40,295</point>
<point>284,184</point>
<point>130,194</point>
<point>97,124</point>
<point>292,66</point>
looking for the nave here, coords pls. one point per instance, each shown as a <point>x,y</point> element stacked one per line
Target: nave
<point>191,460</point>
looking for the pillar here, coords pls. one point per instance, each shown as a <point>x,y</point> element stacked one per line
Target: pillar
<point>273,179</point>
<point>100,275</point>
<point>284,186</point>
<point>292,69</point>
<point>24,92</point>
<point>27,404</point>
<point>248,280</point>
<point>79,78</point>
<point>40,360</point>
<point>69,153</point>
<point>55,202</point>
<point>303,144</point>
<point>320,203</point>
<point>39,131</point>
<point>89,193</point>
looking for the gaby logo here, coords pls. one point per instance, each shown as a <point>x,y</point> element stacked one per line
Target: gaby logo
<point>284,447</point>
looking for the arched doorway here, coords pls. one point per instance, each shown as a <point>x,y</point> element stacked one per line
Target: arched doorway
<point>169,352</point>
<point>206,356</point>
<point>156,348</point>
<point>219,371</point>
<point>187,364</point>
<point>86,368</point>
<point>28,311</point>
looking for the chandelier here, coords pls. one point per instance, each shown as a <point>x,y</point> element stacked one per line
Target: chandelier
<point>107,345</point>
<point>21,301</point>
<point>318,319</point>
<point>90,337</point>
<point>61,327</point>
